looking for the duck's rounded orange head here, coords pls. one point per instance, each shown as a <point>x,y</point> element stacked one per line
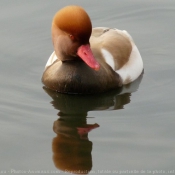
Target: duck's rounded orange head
<point>71,30</point>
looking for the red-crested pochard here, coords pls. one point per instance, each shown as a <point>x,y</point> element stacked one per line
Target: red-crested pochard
<point>89,60</point>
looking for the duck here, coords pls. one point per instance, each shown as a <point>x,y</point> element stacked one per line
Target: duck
<point>89,60</point>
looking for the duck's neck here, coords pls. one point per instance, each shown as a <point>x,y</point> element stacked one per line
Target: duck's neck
<point>64,57</point>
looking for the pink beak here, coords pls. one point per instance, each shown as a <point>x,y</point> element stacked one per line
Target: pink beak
<point>85,53</point>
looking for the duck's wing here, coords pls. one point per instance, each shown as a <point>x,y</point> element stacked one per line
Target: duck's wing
<point>118,50</point>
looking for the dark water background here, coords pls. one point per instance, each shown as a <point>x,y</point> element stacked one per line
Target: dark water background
<point>38,130</point>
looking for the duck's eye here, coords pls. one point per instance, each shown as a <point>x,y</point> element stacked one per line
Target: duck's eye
<point>72,37</point>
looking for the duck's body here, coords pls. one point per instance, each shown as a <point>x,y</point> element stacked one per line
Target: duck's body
<point>111,61</point>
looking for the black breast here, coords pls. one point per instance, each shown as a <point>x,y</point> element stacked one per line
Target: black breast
<point>75,77</point>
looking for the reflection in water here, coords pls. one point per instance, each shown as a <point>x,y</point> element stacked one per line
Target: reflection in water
<point>71,147</point>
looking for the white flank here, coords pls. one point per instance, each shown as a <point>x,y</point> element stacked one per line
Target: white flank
<point>108,58</point>
<point>133,68</point>
<point>51,59</point>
